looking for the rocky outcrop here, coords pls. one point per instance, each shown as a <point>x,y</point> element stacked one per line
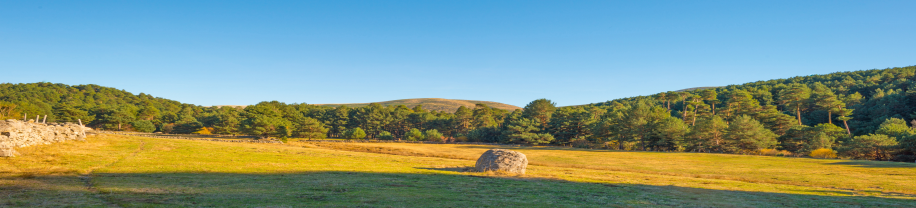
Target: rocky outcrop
<point>502,160</point>
<point>16,133</point>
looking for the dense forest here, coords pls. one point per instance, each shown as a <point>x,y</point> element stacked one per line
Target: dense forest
<point>862,115</point>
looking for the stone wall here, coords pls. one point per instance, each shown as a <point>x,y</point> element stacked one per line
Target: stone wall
<point>172,136</point>
<point>17,133</point>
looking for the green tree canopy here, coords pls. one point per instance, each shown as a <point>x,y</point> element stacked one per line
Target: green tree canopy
<point>433,135</point>
<point>414,135</point>
<point>355,133</point>
<point>872,147</point>
<point>795,97</point>
<point>143,126</point>
<point>745,134</point>
<point>540,110</point>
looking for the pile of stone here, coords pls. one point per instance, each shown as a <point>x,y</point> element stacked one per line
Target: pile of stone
<point>502,160</point>
<point>7,150</point>
<point>16,133</point>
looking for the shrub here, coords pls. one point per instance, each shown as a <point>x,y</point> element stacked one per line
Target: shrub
<point>609,145</point>
<point>356,133</point>
<point>767,152</point>
<point>143,126</point>
<point>484,134</point>
<point>433,135</point>
<point>203,131</point>
<point>384,135</point>
<point>581,143</point>
<point>414,135</point>
<point>870,147</point>
<point>773,152</point>
<point>823,153</point>
<point>167,128</point>
<point>904,158</point>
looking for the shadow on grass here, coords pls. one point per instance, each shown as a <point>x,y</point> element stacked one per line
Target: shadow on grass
<point>451,169</point>
<point>534,148</point>
<point>526,147</point>
<point>874,164</point>
<point>312,189</point>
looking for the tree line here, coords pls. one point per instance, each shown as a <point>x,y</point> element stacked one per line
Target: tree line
<point>862,114</point>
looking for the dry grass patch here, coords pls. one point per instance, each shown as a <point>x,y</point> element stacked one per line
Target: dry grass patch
<point>872,178</point>
<point>147,172</point>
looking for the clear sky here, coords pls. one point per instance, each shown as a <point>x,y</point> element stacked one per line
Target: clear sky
<point>572,52</point>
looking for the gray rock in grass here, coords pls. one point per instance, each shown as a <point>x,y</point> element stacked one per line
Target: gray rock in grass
<point>502,160</point>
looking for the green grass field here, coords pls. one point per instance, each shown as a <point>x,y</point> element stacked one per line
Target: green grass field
<point>124,171</point>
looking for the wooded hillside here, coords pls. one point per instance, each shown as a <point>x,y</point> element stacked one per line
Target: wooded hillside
<point>860,114</point>
<point>436,104</point>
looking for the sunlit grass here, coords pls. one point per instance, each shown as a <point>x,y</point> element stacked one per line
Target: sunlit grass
<point>861,177</point>
<point>133,171</point>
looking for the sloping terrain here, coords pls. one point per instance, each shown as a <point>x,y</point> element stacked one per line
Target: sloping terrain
<point>437,104</point>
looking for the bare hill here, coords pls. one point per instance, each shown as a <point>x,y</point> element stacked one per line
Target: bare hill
<point>438,104</point>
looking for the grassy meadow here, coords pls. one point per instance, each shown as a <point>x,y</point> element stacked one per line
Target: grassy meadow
<point>126,171</point>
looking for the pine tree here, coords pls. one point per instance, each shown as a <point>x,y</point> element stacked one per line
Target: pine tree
<point>872,146</point>
<point>338,120</point>
<point>419,109</point>
<point>262,125</point>
<point>309,128</point>
<point>845,117</point>
<point>482,116</point>
<point>796,96</point>
<point>143,126</point>
<point>776,121</point>
<point>895,127</point>
<point>148,113</point>
<point>824,98</point>
<point>708,135</point>
<point>463,118</point>
<point>662,96</point>
<point>570,123</point>
<point>672,97</point>
<point>526,131</point>
<point>745,134</point>
<point>540,110</point>
<point>739,103</point>
<point>670,134</point>
<point>226,120</point>
<point>684,96</point>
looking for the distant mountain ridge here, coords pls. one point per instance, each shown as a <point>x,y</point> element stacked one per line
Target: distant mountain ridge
<point>698,88</point>
<point>438,104</point>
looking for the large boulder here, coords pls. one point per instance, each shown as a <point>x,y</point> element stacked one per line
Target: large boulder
<point>502,160</point>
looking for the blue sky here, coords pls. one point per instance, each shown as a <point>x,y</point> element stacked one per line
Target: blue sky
<point>572,52</point>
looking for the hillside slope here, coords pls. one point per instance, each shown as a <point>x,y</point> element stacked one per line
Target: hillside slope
<point>438,104</point>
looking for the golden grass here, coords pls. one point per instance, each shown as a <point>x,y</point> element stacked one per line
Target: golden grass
<point>874,178</point>
<point>148,172</point>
